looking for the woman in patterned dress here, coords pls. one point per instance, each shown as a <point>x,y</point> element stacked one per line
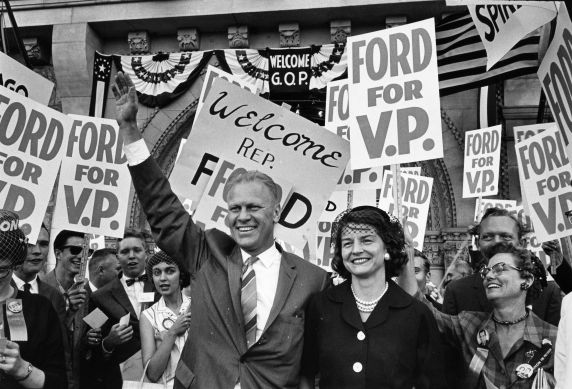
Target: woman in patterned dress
<point>164,325</point>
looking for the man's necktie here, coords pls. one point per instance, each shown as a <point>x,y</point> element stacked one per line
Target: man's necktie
<point>131,281</point>
<point>27,288</point>
<point>248,300</point>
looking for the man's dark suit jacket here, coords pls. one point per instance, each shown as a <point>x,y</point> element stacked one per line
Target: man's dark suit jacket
<point>112,299</point>
<point>216,355</point>
<point>468,294</point>
<point>76,329</point>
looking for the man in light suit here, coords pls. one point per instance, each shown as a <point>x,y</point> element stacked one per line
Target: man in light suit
<point>224,349</point>
<point>125,294</point>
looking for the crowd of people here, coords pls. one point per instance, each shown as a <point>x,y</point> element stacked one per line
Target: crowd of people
<point>211,310</point>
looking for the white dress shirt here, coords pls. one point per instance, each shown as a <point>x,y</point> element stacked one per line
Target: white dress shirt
<point>136,152</point>
<point>20,284</point>
<point>563,352</point>
<point>135,293</point>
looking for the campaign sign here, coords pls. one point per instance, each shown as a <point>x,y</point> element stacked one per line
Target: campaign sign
<point>20,79</point>
<point>482,161</point>
<point>555,75</point>
<point>212,73</point>
<point>238,130</point>
<point>93,193</point>
<point>289,71</point>
<point>33,140</point>
<point>394,96</point>
<point>415,201</point>
<point>546,175</point>
<point>525,132</point>
<point>338,108</point>
<point>503,26</point>
<point>481,206</point>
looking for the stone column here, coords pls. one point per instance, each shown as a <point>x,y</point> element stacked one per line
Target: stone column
<point>73,49</point>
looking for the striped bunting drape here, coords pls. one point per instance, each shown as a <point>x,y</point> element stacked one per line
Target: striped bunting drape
<point>462,58</point>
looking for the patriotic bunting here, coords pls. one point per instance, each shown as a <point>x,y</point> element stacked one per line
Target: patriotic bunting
<point>161,78</point>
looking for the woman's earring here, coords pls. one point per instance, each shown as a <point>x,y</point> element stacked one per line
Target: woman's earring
<point>386,256</point>
<point>524,286</point>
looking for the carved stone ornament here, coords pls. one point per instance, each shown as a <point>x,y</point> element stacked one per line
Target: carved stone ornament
<point>138,42</point>
<point>340,30</point>
<point>188,39</point>
<point>289,34</point>
<point>238,37</point>
<point>394,21</point>
<point>33,49</point>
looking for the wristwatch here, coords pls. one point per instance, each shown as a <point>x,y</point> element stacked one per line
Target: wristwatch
<point>28,373</point>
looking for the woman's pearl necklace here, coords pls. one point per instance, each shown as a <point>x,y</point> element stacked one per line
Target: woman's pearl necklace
<point>367,306</point>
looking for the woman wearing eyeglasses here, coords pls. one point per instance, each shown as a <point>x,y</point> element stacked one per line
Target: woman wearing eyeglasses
<point>31,348</point>
<point>511,346</point>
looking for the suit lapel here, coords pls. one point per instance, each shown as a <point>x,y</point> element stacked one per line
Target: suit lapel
<point>286,278</point>
<point>120,295</point>
<point>234,272</point>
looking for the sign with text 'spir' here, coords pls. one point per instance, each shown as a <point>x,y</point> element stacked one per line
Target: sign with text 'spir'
<point>546,174</point>
<point>20,79</point>
<point>555,75</point>
<point>236,129</point>
<point>501,27</point>
<point>394,96</point>
<point>482,161</point>
<point>33,140</point>
<point>415,201</point>
<point>93,191</point>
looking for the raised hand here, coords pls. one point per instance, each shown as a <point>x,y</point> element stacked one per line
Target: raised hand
<point>126,102</point>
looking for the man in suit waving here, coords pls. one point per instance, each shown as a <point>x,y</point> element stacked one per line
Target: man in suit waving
<point>248,296</point>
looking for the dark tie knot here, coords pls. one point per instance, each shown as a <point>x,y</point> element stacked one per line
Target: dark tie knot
<point>131,281</point>
<point>27,288</point>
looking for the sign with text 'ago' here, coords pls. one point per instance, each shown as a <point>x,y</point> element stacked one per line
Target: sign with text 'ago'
<point>546,176</point>
<point>415,201</point>
<point>93,193</point>
<point>260,135</point>
<point>555,75</point>
<point>20,79</point>
<point>394,96</point>
<point>33,140</point>
<point>482,161</point>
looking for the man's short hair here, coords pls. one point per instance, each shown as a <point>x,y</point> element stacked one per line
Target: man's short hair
<point>99,256</point>
<point>426,263</point>
<point>134,233</point>
<point>476,230</point>
<point>63,237</point>
<point>239,176</point>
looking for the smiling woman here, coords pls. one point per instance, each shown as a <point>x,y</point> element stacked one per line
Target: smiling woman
<point>389,339</point>
<point>511,346</point>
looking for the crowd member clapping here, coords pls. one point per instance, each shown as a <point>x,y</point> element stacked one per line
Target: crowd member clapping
<point>501,348</point>
<point>367,332</point>
<point>39,361</point>
<point>164,326</point>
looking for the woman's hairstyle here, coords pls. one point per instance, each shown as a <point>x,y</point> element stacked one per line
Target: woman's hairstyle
<point>162,257</point>
<point>388,228</point>
<point>529,264</point>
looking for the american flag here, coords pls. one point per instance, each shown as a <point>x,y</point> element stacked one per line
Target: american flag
<point>462,58</point>
<point>100,84</point>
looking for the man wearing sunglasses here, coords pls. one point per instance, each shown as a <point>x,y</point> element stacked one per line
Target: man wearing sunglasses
<point>68,248</point>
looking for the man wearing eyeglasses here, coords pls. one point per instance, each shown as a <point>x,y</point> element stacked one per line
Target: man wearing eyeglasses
<point>68,248</point>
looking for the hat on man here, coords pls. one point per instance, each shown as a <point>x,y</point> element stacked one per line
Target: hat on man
<point>13,242</point>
